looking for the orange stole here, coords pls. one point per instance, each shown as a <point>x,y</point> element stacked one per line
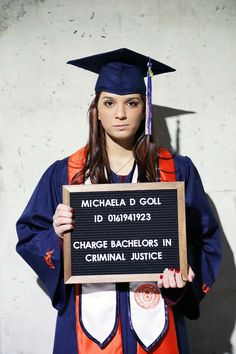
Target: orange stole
<point>168,344</point>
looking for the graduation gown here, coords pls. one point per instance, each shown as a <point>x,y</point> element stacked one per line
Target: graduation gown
<point>43,251</point>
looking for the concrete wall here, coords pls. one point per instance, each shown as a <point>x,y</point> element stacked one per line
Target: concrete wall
<point>43,118</point>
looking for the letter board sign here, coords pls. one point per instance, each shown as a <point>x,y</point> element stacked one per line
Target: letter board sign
<point>125,232</point>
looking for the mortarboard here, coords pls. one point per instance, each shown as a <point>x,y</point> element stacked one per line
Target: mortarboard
<point>122,72</point>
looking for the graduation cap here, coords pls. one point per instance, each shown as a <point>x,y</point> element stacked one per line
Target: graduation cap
<point>122,72</point>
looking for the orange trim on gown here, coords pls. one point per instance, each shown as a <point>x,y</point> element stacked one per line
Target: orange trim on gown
<point>166,166</point>
<point>76,163</point>
<point>168,344</point>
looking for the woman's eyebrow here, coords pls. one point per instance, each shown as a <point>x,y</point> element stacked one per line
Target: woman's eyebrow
<point>133,99</point>
<point>128,99</point>
<point>108,97</point>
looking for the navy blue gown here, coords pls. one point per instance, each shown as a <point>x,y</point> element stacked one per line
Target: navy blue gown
<point>37,238</point>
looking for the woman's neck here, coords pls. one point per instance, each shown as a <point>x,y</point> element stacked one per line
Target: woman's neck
<point>120,156</point>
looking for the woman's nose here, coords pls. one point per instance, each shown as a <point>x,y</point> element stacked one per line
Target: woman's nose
<point>120,112</point>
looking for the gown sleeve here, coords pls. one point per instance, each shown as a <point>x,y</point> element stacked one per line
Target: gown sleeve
<point>203,238</point>
<point>38,244</point>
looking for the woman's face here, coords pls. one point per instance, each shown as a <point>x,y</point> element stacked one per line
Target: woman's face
<point>120,115</point>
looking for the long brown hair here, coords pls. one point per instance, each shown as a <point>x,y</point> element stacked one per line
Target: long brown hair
<point>97,166</point>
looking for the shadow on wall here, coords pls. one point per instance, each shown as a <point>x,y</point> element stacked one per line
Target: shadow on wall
<point>212,332</point>
<point>160,129</point>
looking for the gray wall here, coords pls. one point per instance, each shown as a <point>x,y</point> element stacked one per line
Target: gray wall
<point>43,118</point>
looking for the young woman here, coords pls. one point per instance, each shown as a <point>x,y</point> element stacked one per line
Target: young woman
<point>129,318</point>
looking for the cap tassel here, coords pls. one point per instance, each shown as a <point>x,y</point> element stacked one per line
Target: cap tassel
<point>148,122</point>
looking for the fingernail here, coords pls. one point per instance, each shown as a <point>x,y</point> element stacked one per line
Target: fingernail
<point>161,276</point>
<point>172,269</point>
<point>177,270</point>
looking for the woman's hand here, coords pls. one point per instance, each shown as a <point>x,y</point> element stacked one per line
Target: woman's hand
<point>172,278</point>
<point>63,219</point>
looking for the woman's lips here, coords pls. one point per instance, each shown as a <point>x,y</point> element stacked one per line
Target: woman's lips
<point>120,126</point>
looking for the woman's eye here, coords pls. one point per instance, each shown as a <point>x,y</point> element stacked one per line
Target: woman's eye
<point>108,103</point>
<point>133,103</point>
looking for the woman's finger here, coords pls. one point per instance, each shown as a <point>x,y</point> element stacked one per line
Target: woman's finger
<point>63,209</point>
<point>179,280</point>
<point>166,283</point>
<point>62,221</point>
<point>191,274</point>
<point>62,229</point>
<point>160,281</point>
<point>63,213</point>
<point>172,281</point>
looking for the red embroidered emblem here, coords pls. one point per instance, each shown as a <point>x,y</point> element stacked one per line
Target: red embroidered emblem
<point>147,296</point>
<point>48,259</point>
